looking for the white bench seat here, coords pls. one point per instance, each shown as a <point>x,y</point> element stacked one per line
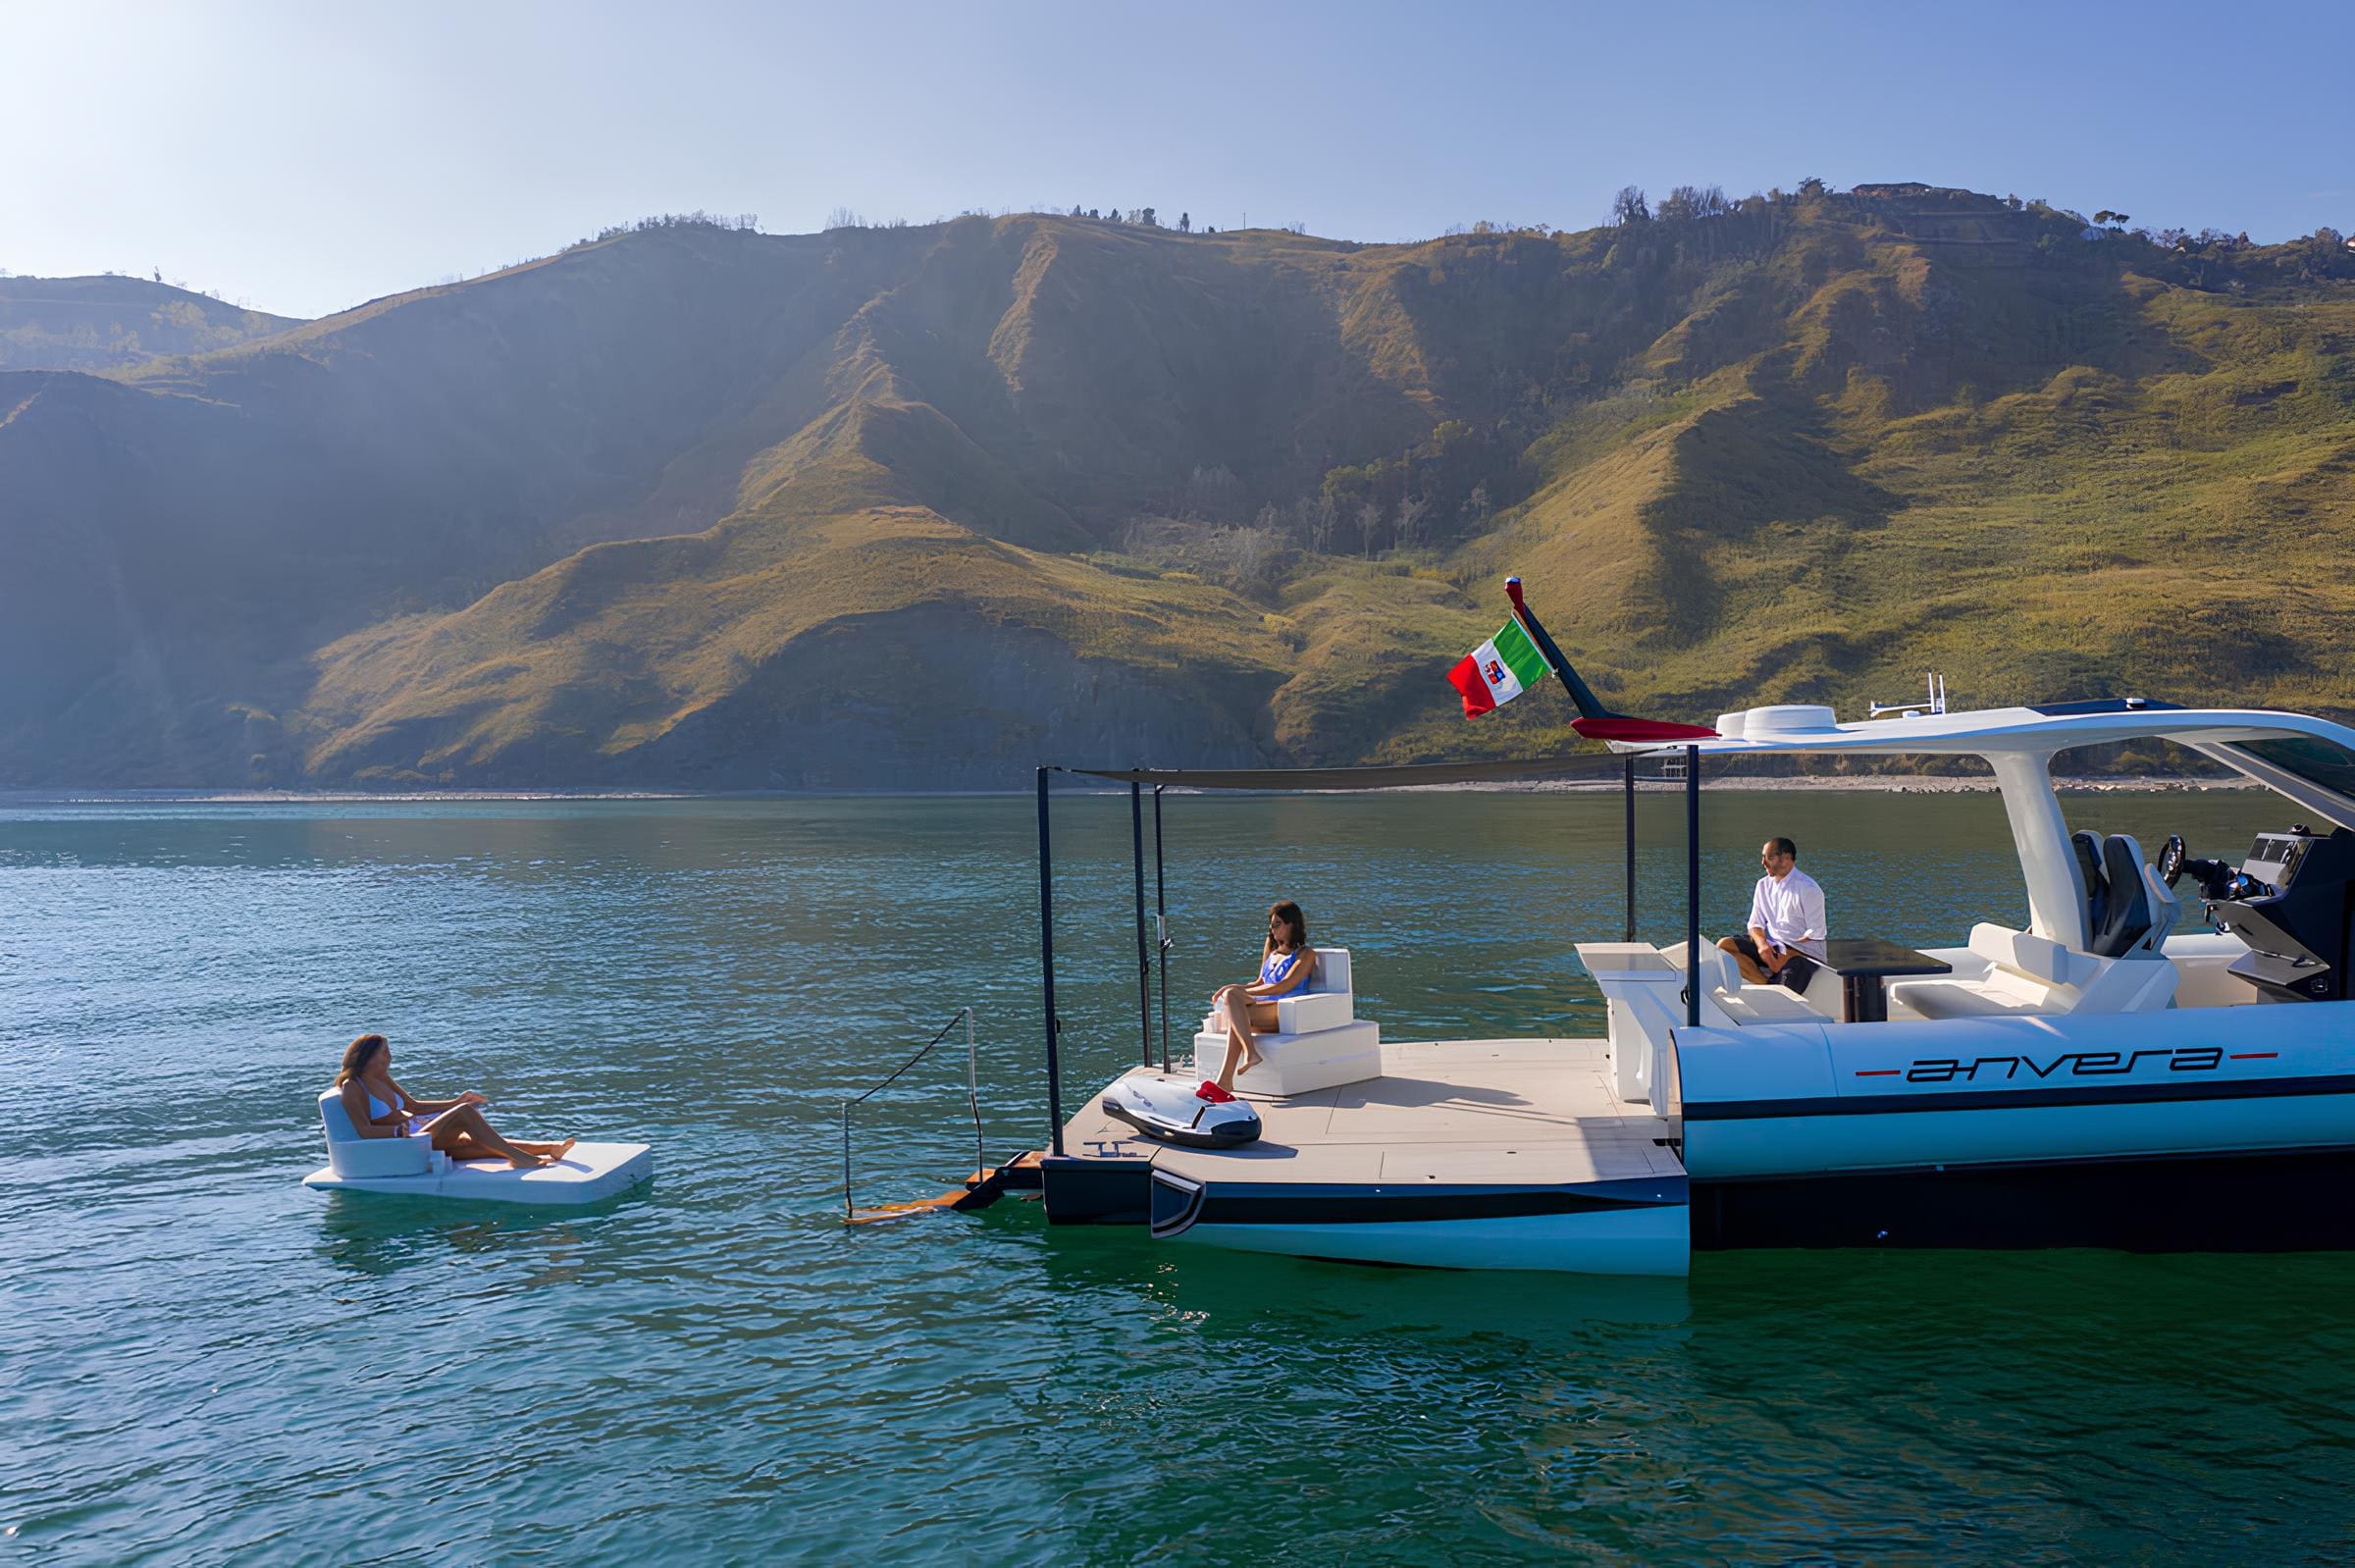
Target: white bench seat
<point>1959,999</point>
<point>1764,1003</point>
<point>2026,974</point>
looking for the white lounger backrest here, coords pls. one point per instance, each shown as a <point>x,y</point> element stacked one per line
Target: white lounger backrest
<point>2049,975</point>
<point>350,1155</point>
<point>2033,957</point>
<point>1332,971</point>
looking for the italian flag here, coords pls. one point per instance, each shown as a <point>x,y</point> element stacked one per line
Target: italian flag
<point>1498,670</point>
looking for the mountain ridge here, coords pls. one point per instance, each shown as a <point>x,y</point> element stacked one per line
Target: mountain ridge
<point>908,507</point>
<point>111,322</point>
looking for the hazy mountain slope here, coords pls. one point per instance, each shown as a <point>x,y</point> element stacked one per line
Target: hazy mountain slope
<point>2049,474</point>
<point>229,515</point>
<point>99,324</point>
<point>891,507</point>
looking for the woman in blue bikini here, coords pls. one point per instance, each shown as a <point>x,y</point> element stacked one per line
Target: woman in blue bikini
<point>379,1108</point>
<point>1286,963</point>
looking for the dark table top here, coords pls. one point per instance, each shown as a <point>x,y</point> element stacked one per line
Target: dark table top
<point>1872,955</point>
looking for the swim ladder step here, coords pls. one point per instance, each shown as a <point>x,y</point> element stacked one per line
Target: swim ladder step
<point>981,1189</point>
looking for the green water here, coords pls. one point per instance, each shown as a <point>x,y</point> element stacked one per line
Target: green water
<point>201,1360</point>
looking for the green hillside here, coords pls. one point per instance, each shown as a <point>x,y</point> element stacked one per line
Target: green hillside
<point>100,324</point>
<point>919,506</point>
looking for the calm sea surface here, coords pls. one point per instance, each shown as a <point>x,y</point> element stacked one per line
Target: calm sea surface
<point>201,1360</point>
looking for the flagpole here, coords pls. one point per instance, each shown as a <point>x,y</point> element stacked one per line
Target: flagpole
<point>1589,707</point>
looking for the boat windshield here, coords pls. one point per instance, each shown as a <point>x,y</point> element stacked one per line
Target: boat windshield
<point>2316,772</point>
<point>2309,758</point>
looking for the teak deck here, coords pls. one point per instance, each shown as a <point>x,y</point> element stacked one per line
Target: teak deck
<point>1521,1112</point>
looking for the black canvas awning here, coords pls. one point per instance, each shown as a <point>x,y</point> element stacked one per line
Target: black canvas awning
<point>1278,779</point>
<point>1401,776</point>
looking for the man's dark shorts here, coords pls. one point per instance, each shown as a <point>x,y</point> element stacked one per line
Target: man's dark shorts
<point>1795,974</point>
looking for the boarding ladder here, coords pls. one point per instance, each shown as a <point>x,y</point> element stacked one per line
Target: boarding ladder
<point>980,1190</point>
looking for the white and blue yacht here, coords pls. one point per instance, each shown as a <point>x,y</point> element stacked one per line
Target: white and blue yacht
<point>2110,1075</point>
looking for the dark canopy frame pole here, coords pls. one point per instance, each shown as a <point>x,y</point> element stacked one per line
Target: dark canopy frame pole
<point>1630,792</point>
<point>1692,886</point>
<point>1160,927</point>
<point>1046,969</point>
<point>1145,965</point>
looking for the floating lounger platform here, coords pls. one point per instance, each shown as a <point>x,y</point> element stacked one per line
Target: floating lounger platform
<point>590,1173</point>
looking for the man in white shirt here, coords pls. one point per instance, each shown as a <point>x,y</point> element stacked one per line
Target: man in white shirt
<point>1786,936</point>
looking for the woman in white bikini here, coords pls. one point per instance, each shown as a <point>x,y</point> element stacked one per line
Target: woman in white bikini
<point>379,1108</point>
<point>1286,963</point>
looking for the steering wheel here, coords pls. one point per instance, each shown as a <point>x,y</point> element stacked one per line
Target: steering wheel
<point>2171,859</point>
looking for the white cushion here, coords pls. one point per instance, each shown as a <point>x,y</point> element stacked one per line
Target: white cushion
<point>2035,957</point>
<point>1304,1014</point>
<point>1764,1003</point>
<point>1955,999</point>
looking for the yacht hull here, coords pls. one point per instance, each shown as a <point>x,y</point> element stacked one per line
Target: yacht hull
<point>1633,1229</point>
<point>1819,1100</point>
<point>2296,1202</point>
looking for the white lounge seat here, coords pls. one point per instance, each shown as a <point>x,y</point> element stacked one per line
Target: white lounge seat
<point>1318,1042</point>
<point>351,1156</point>
<point>2030,975</point>
<point>1741,1001</point>
<point>412,1165</point>
<point>1765,1004</point>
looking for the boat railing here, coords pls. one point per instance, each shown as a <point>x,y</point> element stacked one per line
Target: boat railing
<point>972,1095</point>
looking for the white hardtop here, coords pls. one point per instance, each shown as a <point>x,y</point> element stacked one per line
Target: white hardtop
<point>2018,744</point>
<point>1984,731</point>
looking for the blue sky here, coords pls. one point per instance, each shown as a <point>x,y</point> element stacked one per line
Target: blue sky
<point>307,157</point>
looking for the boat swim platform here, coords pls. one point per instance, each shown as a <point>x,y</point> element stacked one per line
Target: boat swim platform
<point>1450,1132</point>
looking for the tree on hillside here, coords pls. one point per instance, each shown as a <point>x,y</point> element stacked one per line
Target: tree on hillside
<point>1410,517</point>
<point>1694,201</point>
<point>1811,188</point>
<point>1186,223</point>
<point>1629,206</point>
<point>1323,521</point>
<point>1076,210</point>
<point>1145,216</point>
<point>1247,551</point>
<point>1369,523</point>
<point>1211,492</point>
